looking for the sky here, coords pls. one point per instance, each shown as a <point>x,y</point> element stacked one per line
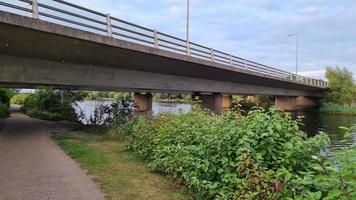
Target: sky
<point>254,29</point>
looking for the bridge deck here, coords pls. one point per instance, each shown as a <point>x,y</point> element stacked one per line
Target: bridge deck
<point>32,38</point>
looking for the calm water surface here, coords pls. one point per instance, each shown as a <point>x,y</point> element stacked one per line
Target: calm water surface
<point>313,121</point>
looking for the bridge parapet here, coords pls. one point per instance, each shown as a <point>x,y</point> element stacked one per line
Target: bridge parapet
<point>75,16</point>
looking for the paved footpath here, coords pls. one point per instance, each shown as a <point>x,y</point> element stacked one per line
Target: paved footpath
<point>33,167</point>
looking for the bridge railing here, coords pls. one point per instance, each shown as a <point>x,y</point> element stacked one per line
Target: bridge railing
<point>72,15</point>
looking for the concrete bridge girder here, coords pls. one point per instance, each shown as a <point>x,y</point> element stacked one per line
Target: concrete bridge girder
<point>29,72</point>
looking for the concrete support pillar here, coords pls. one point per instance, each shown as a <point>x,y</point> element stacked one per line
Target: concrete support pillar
<point>216,102</point>
<point>143,103</point>
<point>288,103</point>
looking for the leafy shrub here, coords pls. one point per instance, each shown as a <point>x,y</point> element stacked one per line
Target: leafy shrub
<point>262,155</point>
<point>49,104</point>
<point>18,99</point>
<point>45,115</point>
<point>4,111</point>
<point>114,114</point>
<point>5,96</point>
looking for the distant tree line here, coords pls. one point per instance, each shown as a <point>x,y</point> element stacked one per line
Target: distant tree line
<point>341,97</point>
<point>342,87</point>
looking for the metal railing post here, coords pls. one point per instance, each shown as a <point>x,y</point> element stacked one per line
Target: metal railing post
<point>230,60</point>
<point>245,63</point>
<point>108,25</point>
<point>188,48</point>
<point>155,39</point>
<point>35,9</point>
<point>212,55</point>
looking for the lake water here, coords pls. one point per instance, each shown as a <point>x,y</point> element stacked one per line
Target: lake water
<point>313,121</point>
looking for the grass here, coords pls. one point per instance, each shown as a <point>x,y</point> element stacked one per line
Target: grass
<point>338,109</point>
<point>118,172</point>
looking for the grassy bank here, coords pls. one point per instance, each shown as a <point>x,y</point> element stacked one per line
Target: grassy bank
<point>332,108</point>
<point>119,174</point>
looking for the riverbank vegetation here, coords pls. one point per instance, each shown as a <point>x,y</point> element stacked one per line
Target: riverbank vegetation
<point>333,108</point>
<point>169,97</point>
<point>105,95</point>
<point>51,104</point>
<point>5,96</point>
<point>258,155</point>
<point>262,155</point>
<point>114,96</point>
<point>18,99</point>
<point>341,97</point>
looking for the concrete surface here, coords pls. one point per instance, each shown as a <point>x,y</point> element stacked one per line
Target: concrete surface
<point>15,71</point>
<point>59,46</point>
<point>215,102</point>
<point>295,103</point>
<point>33,167</point>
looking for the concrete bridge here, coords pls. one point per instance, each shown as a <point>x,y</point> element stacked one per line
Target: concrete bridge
<point>63,44</point>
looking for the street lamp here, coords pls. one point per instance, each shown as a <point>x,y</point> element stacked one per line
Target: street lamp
<point>188,45</point>
<point>296,52</point>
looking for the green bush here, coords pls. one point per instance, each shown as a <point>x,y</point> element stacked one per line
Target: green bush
<point>44,115</point>
<point>333,108</point>
<point>229,156</point>
<point>5,96</point>
<point>262,155</point>
<point>4,111</point>
<point>18,99</point>
<point>49,104</point>
<point>342,89</point>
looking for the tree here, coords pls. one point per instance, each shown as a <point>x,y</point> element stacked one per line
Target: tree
<point>342,89</point>
<point>5,95</point>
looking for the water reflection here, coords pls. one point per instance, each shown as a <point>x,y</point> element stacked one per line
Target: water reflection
<point>315,122</point>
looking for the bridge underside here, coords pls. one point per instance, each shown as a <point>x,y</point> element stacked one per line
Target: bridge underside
<point>26,72</point>
<point>35,52</point>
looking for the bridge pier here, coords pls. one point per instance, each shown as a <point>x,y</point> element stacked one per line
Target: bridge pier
<point>143,103</point>
<point>215,102</point>
<point>292,103</point>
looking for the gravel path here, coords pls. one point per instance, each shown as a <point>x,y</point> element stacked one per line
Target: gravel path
<point>32,166</point>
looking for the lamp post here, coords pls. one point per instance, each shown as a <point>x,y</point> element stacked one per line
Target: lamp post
<point>296,52</point>
<point>188,45</point>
